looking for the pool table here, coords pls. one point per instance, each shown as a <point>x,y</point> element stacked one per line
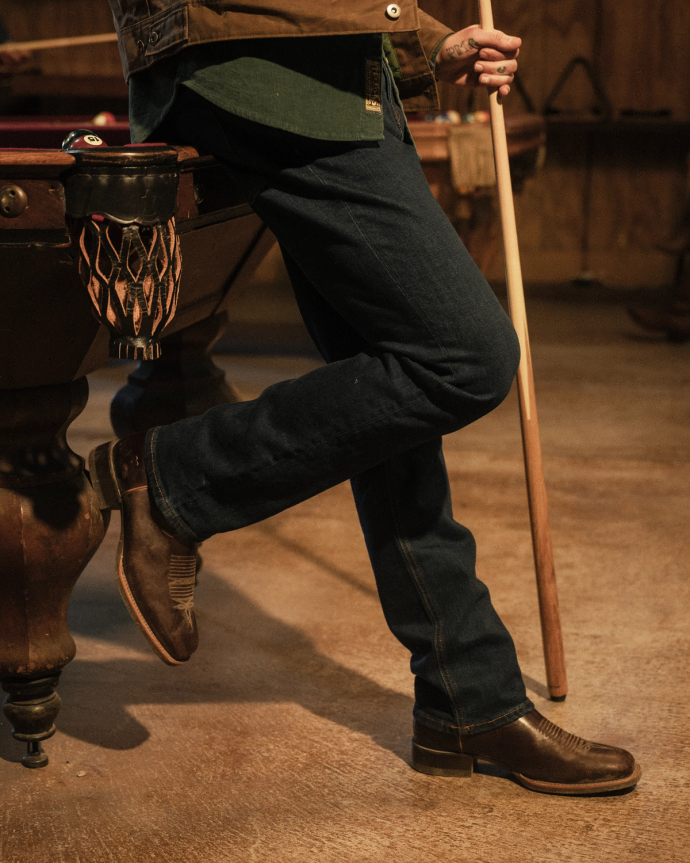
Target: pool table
<point>90,248</point>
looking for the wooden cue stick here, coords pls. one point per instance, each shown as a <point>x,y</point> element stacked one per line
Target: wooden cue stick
<point>536,488</point>
<point>66,42</point>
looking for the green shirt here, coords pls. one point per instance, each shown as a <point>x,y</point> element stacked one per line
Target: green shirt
<point>325,87</point>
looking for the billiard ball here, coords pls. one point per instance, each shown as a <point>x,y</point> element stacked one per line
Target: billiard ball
<point>82,139</point>
<point>105,118</point>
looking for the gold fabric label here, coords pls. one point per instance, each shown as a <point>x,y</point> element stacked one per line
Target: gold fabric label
<point>373,98</point>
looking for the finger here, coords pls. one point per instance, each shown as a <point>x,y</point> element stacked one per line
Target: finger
<point>495,80</point>
<point>492,55</point>
<point>505,67</point>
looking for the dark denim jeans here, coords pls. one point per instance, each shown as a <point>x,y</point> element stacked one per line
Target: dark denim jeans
<point>416,346</point>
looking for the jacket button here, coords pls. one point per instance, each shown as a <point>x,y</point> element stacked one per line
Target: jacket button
<point>153,38</point>
<point>141,47</point>
<point>393,11</point>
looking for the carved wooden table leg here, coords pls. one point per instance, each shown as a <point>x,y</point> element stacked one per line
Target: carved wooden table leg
<point>50,527</point>
<point>183,382</point>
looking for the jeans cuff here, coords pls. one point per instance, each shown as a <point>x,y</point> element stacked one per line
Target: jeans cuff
<point>436,724</point>
<point>156,490</point>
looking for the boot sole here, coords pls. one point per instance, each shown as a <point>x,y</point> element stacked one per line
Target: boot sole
<point>436,762</point>
<point>105,484</point>
<point>580,788</point>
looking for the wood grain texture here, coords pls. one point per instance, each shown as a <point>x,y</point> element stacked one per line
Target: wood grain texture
<point>638,175</point>
<point>45,207</point>
<point>49,158</point>
<point>638,47</point>
<point>646,64</point>
<point>51,526</point>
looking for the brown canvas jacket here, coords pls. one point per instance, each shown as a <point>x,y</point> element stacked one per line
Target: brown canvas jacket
<point>149,30</point>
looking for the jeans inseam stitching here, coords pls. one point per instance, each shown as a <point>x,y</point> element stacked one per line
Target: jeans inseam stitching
<point>415,571</point>
<point>160,490</point>
<point>395,281</point>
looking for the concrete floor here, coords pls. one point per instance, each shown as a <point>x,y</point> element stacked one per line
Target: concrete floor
<point>286,737</point>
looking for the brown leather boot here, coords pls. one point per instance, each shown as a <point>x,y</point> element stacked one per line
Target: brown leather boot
<point>539,754</point>
<point>156,569</point>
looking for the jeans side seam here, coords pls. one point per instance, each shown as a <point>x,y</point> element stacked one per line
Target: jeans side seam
<point>416,572</point>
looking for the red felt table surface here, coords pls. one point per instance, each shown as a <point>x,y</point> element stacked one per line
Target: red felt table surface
<point>49,132</point>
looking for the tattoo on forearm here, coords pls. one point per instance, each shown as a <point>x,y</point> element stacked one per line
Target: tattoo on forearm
<point>455,51</point>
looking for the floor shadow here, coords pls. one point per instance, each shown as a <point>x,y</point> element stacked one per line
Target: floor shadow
<point>246,656</point>
<point>269,529</point>
<point>540,689</point>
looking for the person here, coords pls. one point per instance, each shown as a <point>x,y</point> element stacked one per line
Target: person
<point>303,108</point>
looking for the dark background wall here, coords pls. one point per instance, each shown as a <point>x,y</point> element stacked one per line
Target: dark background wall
<point>633,171</point>
<point>607,192</point>
<point>639,47</point>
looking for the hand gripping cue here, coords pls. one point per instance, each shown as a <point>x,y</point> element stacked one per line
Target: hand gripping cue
<point>531,444</point>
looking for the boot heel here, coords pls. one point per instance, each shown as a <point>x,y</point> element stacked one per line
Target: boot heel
<point>437,763</point>
<point>103,477</point>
